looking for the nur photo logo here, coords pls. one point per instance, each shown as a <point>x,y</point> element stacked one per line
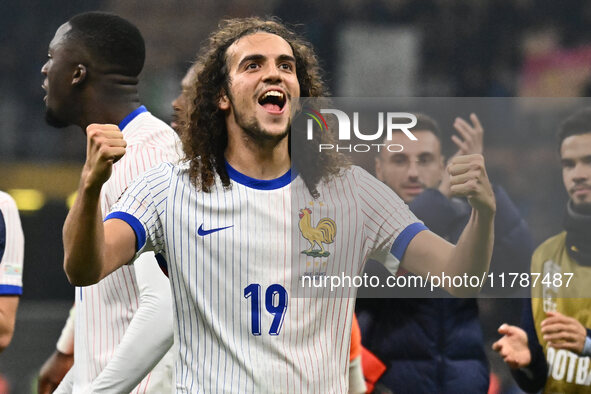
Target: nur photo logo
<point>387,123</point>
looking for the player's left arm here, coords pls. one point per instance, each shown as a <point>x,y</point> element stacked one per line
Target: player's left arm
<point>427,253</point>
<point>148,336</point>
<point>563,332</point>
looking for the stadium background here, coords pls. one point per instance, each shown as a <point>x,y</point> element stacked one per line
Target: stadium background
<point>375,48</point>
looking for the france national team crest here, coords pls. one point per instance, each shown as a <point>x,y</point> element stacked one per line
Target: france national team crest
<point>323,232</point>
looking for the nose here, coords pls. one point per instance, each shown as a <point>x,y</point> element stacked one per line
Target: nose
<point>413,170</point>
<point>581,172</point>
<point>272,74</point>
<point>44,69</point>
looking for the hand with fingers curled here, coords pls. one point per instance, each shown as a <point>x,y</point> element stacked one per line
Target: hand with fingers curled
<point>513,346</point>
<point>104,147</point>
<point>469,141</point>
<point>468,178</point>
<point>563,332</point>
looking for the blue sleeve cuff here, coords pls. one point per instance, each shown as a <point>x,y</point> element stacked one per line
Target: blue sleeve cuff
<point>13,290</point>
<point>587,347</point>
<point>404,238</point>
<point>134,223</point>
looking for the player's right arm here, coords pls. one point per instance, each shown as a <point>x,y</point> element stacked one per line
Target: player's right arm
<point>92,250</point>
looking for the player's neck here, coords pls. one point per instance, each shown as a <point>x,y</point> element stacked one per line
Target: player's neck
<point>111,111</point>
<point>109,102</point>
<point>259,161</point>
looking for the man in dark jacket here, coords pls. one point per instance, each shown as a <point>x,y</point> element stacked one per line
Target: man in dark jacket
<point>435,345</point>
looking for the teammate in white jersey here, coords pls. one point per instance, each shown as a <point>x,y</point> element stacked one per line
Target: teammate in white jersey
<point>123,324</point>
<point>223,222</point>
<point>12,245</point>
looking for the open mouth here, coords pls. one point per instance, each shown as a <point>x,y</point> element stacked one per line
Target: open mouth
<point>44,87</point>
<point>273,101</point>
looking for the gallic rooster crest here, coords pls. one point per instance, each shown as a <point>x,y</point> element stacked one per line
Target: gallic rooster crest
<point>323,233</point>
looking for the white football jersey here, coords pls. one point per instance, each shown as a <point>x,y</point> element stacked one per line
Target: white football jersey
<point>237,258</point>
<point>12,245</point>
<point>104,310</point>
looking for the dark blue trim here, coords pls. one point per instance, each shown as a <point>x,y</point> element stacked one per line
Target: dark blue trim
<point>2,236</point>
<point>131,116</point>
<point>134,223</point>
<point>162,263</point>
<point>260,184</point>
<point>11,290</point>
<point>404,238</point>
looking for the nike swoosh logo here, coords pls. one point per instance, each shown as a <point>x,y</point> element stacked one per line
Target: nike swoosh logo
<point>203,232</point>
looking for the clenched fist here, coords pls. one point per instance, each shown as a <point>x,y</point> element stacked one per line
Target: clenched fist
<point>104,146</point>
<point>468,179</point>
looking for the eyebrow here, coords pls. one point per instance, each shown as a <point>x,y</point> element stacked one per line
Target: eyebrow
<point>258,57</point>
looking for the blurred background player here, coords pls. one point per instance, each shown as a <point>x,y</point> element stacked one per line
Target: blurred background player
<point>181,105</point>
<point>12,245</point>
<point>551,352</point>
<point>434,344</point>
<point>123,325</point>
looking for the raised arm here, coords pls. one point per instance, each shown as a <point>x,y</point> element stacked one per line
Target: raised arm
<point>93,250</point>
<point>429,254</point>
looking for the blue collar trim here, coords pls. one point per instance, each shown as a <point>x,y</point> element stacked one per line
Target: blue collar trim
<point>131,116</point>
<point>260,184</point>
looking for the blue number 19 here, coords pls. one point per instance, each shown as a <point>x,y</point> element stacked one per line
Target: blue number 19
<point>275,303</point>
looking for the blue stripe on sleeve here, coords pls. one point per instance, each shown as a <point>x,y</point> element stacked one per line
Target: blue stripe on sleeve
<point>404,238</point>
<point>11,290</point>
<point>134,223</point>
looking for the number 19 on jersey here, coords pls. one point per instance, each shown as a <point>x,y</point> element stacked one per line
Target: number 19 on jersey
<point>275,304</point>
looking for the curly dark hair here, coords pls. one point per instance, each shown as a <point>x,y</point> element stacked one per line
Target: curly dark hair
<point>205,137</point>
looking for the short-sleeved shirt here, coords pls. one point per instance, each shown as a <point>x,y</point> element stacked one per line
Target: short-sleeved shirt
<point>236,257</point>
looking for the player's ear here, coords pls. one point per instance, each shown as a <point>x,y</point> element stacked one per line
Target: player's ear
<point>79,74</point>
<point>224,101</point>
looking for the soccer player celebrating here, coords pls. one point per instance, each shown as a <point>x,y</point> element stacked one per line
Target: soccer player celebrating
<point>223,222</point>
<point>123,324</point>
